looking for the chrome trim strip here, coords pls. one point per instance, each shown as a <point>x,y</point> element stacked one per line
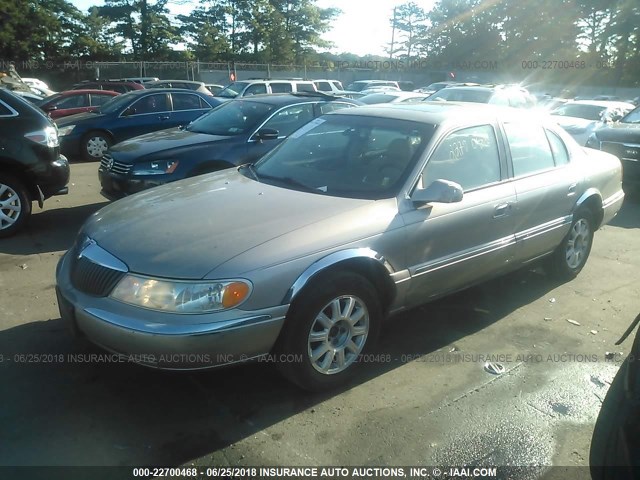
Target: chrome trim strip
<point>466,255</point>
<point>329,260</point>
<point>181,330</point>
<point>544,228</point>
<point>14,112</point>
<point>98,255</point>
<point>616,197</point>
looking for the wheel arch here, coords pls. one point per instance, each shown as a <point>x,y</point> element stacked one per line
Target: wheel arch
<point>20,172</point>
<point>364,261</point>
<point>592,200</point>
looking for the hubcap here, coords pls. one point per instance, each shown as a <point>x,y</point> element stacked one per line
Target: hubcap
<point>578,244</point>
<point>338,334</point>
<point>10,206</point>
<point>97,146</point>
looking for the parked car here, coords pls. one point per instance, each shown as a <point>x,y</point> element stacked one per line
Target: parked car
<point>42,92</point>
<point>505,95</point>
<point>380,89</point>
<point>89,135</point>
<point>622,139</point>
<point>245,88</point>
<point>34,82</point>
<point>360,85</point>
<point>31,167</point>
<point>393,97</point>
<point>71,102</point>
<point>616,441</point>
<point>112,85</point>
<point>237,132</point>
<point>434,87</point>
<point>142,80</point>
<point>214,88</point>
<point>186,84</point>
<point>30,97</point>
<point>581,117</point>
<point>328,86</point>
<point>362,213</point>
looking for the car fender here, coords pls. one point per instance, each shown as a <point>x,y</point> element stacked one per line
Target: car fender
<point>353,258</point>
<point>591,199</point>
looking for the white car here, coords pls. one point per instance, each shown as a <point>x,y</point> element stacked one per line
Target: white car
<point>581,117</point>
<point>34,82</point>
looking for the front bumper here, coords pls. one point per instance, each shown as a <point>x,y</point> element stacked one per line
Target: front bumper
<point>164,340</point>
<point>115,186</point>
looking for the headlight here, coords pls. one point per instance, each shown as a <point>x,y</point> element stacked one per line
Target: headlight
<point>66,130</point>
<point>593,142</point>
<point>160,167</point>
<point>181,296</point>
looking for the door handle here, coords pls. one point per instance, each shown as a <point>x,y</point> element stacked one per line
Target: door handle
<point>163,117</point>
<point>501,210</point>
<point>572,190</point>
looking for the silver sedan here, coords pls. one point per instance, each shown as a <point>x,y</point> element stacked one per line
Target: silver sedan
<point>360,214</point>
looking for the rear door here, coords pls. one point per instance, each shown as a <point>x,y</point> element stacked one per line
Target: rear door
<point>546,188</point>
<point>187,107</point>
<point>149,113</point>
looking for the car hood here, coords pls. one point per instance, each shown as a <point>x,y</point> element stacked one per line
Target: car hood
<point>186,229</point>
<point>620,132</point>
<point>573,123</point>
<point>160,141</point>
<point>78,118</point>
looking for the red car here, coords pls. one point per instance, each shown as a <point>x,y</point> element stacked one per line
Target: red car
<point>75,101</point>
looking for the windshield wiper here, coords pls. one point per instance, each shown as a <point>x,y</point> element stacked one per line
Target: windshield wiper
<point>291,182</point>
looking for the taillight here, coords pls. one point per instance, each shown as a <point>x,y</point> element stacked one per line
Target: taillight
<point>48,136</point>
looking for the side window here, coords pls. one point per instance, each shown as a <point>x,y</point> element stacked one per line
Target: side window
<point>185,101</point>
<point>152,104</point>
<point>469,157</point>
<point>289,119</point>
<point>97,99</point>
<point>5,111</point>
<point>73,101</point>
<point>333,106</point>
<point>323,86</point>
<point>305,87</point>
<point>530,151</point>
<point>281,88</point>
<point>255,89</point>
<point>558,149</point>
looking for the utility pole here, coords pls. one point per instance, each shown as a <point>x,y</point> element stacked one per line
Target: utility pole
<point>393,33</point>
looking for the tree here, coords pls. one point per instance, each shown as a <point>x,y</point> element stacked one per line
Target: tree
<point>408,23</point>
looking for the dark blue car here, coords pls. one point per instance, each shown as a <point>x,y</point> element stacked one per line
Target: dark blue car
<point>238,132</point>
<point>89,135</point>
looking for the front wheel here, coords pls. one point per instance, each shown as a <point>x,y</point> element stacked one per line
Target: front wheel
<point>95,145</point>
<point>15,205</point>
<point>328,328</point>
<point>572,254</point>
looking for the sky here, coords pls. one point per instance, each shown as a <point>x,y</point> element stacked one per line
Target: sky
<point>362,28</point>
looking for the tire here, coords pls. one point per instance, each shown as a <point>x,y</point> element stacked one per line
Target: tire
<point>571,255</point>
<point>95,145</point>
<point>15,205</point>
<point>329,326</point>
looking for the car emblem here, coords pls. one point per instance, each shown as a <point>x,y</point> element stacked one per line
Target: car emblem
<point>109,163</point>
<point>86,243</point>
<point>631,152</point>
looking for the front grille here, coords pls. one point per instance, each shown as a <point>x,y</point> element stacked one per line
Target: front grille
<point>108,163</point>
<point>93,279</point>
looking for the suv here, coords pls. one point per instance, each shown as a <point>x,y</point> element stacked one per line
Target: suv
<point>31,167</point>
<point>328,86</point>
<point>506,95</point>
<point>245,88</point>
<point>186,84</point>
<point>113,85</point>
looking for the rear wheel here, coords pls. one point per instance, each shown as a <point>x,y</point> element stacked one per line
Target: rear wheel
<point>572,254</point>
<point>15,205</point>
<point>333,322</point>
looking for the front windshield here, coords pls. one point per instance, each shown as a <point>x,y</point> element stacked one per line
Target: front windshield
<point>632,117</point>
<point>462,95</point>
<point>117,103</point>
<point>347,156</point>
<point>232,90</point>
<point>588,112</point>
<point>236,117</point>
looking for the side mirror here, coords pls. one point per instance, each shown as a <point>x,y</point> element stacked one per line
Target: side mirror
<point>51,108</point>
<point>440,191</point>
<point>266,134</point>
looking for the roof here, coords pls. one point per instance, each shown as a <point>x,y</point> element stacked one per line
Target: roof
<point>174,80</point>
<point>437,113</point>
<point>86,90</point>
